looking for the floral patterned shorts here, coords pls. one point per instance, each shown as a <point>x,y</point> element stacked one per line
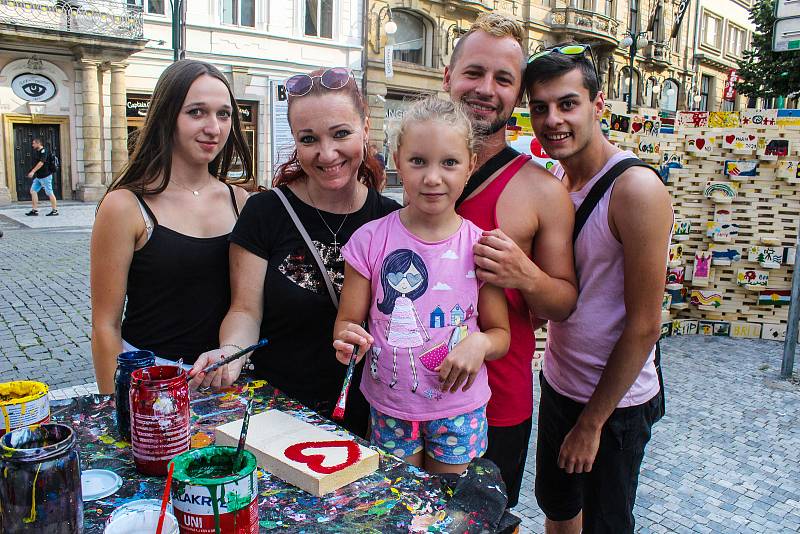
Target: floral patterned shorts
<point>451,440</point>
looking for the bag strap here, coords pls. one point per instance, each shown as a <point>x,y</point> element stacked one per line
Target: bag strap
<point>582,215</point>
<point>491,166</point>
<point>599,189</point>
<point>309,244</point>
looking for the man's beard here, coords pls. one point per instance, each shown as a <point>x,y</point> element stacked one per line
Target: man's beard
<point>485,129</point>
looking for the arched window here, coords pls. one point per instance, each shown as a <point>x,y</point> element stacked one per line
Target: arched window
<point>412,42</point>
<point>650,95</point>
<point>623,85</point>
<point>669,95</point>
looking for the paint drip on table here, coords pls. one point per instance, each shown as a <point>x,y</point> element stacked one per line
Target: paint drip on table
<point>159,405</point>
<point>397,498</point>
<point>40,486</point>
<point>23,403</point>
<point>210,495</point>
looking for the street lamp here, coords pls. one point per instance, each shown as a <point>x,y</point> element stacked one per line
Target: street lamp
<point>634,41</point>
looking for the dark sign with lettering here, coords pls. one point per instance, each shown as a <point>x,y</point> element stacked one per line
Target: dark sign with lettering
<point>137,106</point>
<point>246,112</point>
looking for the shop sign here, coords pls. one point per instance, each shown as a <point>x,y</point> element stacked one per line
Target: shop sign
<point>137,106</point>
<point>246,112</point>
<point>33,87</point>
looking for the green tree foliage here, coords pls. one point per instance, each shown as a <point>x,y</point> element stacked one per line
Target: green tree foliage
<point>764,73</point>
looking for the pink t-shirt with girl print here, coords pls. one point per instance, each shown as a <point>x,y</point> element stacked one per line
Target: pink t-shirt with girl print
<point>424,301</point>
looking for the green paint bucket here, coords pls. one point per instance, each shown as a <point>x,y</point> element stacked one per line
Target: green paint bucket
<point>207,494</point>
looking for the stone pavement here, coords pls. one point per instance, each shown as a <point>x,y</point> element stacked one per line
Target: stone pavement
<point>45,321</point>
<point>724,459</point>
<point>726,456</point>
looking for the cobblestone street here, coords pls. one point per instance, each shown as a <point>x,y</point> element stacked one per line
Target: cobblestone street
<point>724,459</point>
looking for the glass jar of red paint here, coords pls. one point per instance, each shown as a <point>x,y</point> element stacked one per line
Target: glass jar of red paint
<point>127,363</point>
<point>40,486</point>
<point>159,404</point>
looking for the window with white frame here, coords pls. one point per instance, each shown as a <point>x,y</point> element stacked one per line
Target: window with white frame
<point>239,12</point>
<point>736,40</point>
<point>151,7</point>
<point>412,42</point>
<point>319,18</point>
<point>706,88</point>
<point>604,7</point>
<point>712,30</point>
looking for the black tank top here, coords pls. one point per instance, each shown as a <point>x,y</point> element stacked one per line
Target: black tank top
<point>178,292</point>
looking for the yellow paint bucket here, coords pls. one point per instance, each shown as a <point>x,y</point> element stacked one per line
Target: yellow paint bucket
<point>23,403</point>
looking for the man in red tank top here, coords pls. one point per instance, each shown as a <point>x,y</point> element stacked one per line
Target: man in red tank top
<point>527,219</point>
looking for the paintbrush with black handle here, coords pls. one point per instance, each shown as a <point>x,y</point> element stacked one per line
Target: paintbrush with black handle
<point>229,359</point>
<point>237,461</point>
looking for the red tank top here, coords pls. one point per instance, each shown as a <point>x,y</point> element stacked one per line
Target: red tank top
<point>510,377</point>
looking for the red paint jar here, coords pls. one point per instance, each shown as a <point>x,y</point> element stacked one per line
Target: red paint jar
<point>159,403</point>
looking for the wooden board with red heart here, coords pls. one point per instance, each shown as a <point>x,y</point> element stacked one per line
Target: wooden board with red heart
<point>313,459</point>
<point>700,144</point>
<point>740,142</point>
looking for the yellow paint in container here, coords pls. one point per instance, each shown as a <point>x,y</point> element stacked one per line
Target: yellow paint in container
<point>23,403</point>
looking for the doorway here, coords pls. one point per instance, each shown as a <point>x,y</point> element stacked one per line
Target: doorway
<point>23,156</point>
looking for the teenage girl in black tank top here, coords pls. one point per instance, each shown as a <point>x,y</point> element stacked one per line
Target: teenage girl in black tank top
<point>160,239</point>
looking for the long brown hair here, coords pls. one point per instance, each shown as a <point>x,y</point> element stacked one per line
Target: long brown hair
<point>151,161</point>
<point>370,172</point>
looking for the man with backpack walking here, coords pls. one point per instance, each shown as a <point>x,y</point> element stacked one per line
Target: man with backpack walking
<point>42,174</point>
<point>601,386</point>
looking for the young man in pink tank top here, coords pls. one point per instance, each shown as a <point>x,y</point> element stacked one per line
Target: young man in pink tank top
<point>600,391</point>
<point>527,220</point>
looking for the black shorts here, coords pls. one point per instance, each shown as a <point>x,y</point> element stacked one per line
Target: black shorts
<point>606,494</point>
<point>508,449</point>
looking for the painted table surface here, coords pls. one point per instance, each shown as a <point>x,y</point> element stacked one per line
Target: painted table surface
<point>396,498</point>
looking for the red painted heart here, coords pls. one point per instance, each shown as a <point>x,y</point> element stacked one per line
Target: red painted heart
<point>729,139</point>
<point>700,143</point>
<point>636,126</point>
<point>297,453</point>
<point>751,137</point>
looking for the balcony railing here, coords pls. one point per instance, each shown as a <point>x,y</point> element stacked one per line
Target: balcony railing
<point>588,22</point>
<point>659,52</point>
<point>106,18</point>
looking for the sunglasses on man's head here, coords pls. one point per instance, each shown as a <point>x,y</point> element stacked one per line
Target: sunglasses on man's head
<point>571,50</point>
<point>333,78</point>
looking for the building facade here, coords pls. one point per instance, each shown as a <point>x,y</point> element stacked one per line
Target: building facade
<point>668,65</point>
<point>722,32</point>
<point>99,61</point>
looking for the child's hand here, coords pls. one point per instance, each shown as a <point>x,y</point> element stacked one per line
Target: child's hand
<point>461,366</point>
<point>352,335</point>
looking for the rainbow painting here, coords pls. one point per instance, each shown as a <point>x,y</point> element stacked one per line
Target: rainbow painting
<point>706,298</point>
<point>723,192</point>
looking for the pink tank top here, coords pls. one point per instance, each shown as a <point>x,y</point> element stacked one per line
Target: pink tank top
<point>510,377</point>
<point>578,348</point>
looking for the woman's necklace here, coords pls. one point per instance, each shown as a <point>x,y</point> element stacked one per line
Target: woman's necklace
<point>334,234</point>
<point>195,192</point>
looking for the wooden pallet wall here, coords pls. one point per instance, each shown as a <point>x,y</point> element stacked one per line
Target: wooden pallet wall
<point>766,209</point>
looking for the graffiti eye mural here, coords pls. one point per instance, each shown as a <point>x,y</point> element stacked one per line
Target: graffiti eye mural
<point>34,89</point>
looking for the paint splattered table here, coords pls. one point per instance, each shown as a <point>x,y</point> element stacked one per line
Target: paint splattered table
<point>397,498</point>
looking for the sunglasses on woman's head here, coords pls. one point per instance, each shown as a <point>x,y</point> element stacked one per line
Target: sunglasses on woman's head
<point>333,78</point>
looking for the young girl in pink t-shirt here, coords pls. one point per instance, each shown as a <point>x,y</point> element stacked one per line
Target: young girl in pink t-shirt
<point>431,322</point>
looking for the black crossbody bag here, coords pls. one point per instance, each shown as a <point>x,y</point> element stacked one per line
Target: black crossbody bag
<point>582,215</point>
